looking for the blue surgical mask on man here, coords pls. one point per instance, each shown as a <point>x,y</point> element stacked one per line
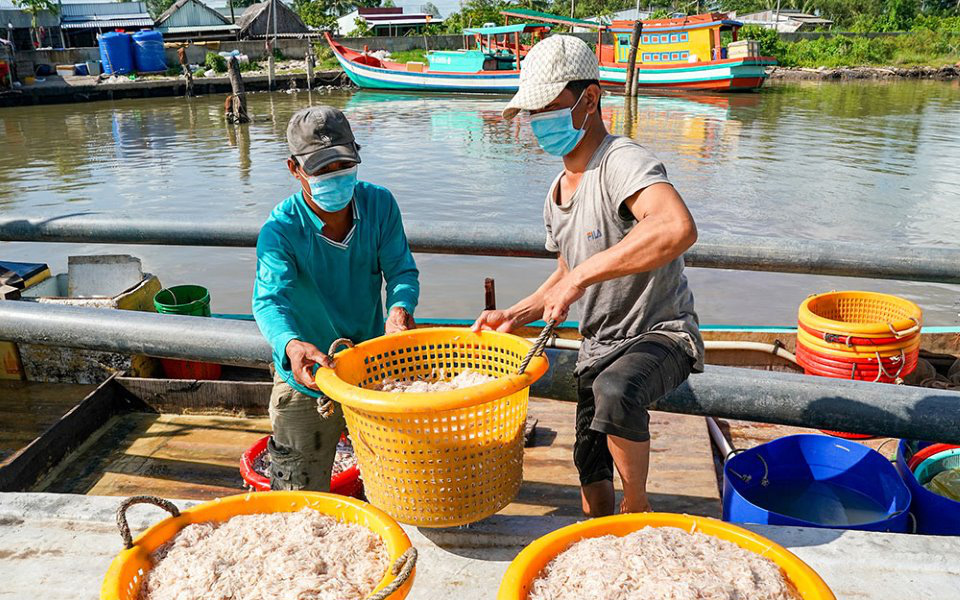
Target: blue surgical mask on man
<point>555,131</point>
<point>333,191</point>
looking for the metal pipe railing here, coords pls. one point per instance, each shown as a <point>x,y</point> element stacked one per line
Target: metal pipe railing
<point>781,398</point>
<point>718,251</point>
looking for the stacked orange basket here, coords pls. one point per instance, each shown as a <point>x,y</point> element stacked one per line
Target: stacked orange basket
<point>864,336</point>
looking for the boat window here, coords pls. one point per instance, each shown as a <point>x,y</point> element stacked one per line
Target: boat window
<point>674,38</point>
<point>684,56</point>
<point>684,37</point>
<point>675,56</point>
<point>646,57</point>
<point>646,39</point>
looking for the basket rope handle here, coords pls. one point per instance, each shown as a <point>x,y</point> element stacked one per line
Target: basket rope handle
<point>325,404</point>
<point>122,524</point>
<point>538,346</point>
<point>907,331</point>
<point>402,568</point>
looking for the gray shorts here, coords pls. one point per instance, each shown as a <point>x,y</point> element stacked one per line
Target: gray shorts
<point>613,397</point>
<point>304,444</point>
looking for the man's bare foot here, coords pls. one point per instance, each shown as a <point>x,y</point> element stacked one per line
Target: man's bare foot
<point>640,505</point>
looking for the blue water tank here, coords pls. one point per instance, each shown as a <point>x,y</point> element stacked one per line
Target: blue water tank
<point>116,53</point>
<point>148,51</point>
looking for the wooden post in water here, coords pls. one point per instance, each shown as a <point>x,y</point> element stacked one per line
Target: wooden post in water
<point>489,294</point>
<point>309,60</point>
<point>185,67</point>
<point>630,88</point>
<point>236,104</point>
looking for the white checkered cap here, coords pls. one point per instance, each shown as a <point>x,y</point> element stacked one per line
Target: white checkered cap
<point>548,68</point>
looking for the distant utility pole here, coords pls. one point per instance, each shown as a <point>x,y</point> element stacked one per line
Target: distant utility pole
<point>573,9</point>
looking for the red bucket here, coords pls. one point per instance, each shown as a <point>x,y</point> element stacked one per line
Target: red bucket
<point>345,483</point>
<point>861,371</point>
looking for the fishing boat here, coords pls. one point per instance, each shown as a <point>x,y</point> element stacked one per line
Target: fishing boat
<point>685,53</point>
<point>489,65</point>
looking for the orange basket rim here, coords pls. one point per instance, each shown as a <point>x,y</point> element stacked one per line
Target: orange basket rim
<point>528,564</point>
<point>811,319</point>
<point>375,401</point>
<point>383,525</point>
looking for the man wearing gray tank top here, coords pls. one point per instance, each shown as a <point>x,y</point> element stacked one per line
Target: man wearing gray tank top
<point>619,229</point>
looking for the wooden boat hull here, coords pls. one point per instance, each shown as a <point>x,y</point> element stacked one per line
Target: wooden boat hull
<point>365,72</point>
<point>722,75</point>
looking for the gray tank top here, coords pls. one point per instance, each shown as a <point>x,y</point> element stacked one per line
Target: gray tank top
<point>620,311</point>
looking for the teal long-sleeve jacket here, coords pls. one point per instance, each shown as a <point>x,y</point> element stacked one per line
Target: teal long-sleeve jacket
<point>316,290</point>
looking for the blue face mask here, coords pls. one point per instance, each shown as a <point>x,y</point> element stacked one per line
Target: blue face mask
<point>333,191</point>
<point>555,131</point>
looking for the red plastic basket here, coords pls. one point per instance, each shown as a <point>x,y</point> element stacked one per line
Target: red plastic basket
<point>345,483</point>
<point>856,341</point>
<point>865,371</point>
<point>924,453</point>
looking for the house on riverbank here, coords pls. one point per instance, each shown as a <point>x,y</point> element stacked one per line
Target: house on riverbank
<point>191,19</point>
<point>83,22</point>
<point>17,26</point>
<point>258,21</point>
<point>386,21</point>
<point>785,21</point>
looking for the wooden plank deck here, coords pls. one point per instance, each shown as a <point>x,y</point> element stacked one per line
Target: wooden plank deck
<point>197,457</point>
<point>27,409</point>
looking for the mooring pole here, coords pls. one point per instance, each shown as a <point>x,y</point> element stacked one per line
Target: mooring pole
<point>309,61</point>
<point>629,88</point>
<point>236,105</point>
<point>489,294</point>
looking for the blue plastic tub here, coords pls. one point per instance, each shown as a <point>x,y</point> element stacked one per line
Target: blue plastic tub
<point>116,53</point>
<point>934,514</point>
<point>148,55</point>
<point>813,480</point>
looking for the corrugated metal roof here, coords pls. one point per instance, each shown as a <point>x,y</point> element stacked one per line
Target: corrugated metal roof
<point>108,23</point>
<point>21,20</point>
<point>189,29</point>
<point>92,9</point>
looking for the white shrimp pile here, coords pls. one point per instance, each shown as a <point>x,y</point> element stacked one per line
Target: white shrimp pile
<point>660,563</point>
<point>301,555</point>
<point>436,383</point>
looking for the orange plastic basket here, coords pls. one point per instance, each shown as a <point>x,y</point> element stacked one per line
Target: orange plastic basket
<point>436,459</point>
<point>861,314</point>
<point>526,567</point>
<point>126,572</point>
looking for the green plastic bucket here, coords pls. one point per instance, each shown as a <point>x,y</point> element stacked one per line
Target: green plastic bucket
<point>192,300</point>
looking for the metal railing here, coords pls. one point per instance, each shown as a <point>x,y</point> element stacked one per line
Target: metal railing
<point>718,251</point>
<point>781,398</point>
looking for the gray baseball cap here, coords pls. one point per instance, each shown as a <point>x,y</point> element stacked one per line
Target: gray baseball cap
<point>320,135</point>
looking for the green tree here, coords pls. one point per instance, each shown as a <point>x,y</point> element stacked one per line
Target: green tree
<point>34,8</point>
<point>431,9</point>
<point>242,3</point>
<point>388,4</point>
<point>157,7</point>
<point>315,13</point>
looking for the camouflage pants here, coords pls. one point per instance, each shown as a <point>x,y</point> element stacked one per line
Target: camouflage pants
<point>304,444</point>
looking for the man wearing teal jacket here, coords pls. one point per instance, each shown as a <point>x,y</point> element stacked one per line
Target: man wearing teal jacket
<point>322,258</point>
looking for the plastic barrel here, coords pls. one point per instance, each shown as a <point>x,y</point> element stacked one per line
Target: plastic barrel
<point>191,300</point>
<point>148,52</point>
<point>116,53</point>
<point>934,514</point>
<point>759,482</point>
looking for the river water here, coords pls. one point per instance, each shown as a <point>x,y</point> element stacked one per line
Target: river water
<point>872,162</point>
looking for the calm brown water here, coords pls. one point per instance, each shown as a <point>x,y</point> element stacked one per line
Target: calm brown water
<point>873,162</point>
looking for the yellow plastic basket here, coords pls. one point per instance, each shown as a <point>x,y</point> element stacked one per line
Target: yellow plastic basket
<point>127,570</point>
<point>436,459</point>
<point>526,567</point>
<point>861,313</point>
